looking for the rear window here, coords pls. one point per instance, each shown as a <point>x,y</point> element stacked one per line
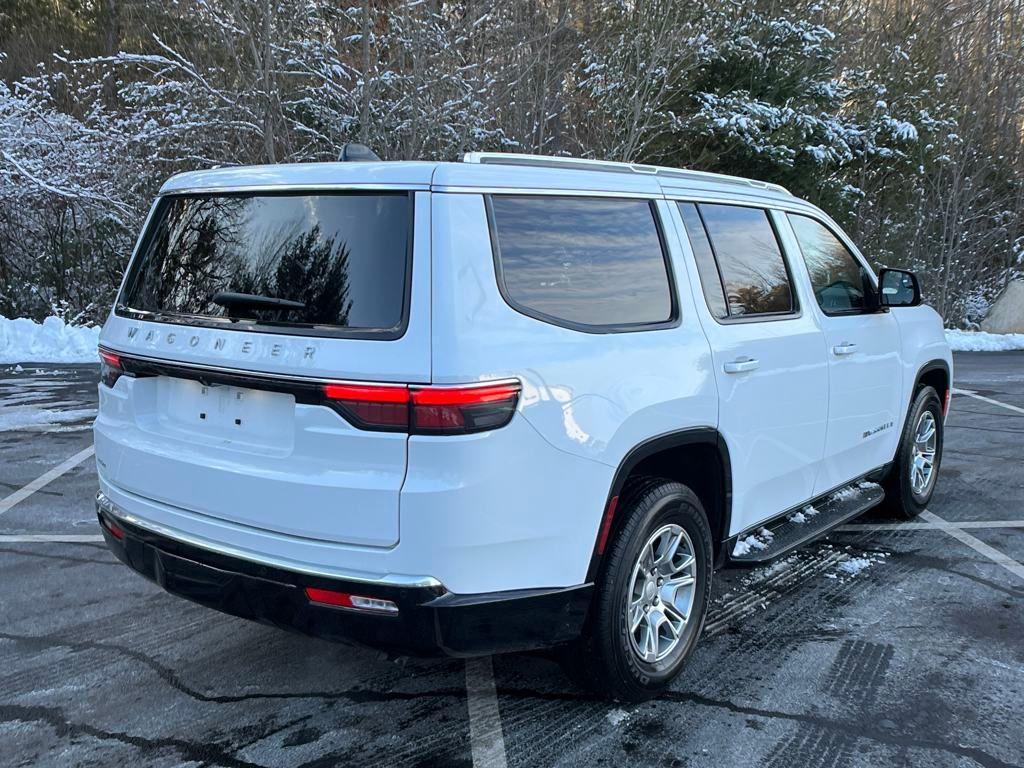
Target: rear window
<point>582,262</point>
<point>339,262</point>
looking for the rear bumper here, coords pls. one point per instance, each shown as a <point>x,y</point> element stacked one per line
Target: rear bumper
<point>429,621</point>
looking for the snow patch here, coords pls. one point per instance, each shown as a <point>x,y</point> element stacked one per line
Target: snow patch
<point>617,716</point>
<point>760,540</point>
<point>981,341</point>
<point>803,515</point>
<point>28,418</point>
<point>854,565</point>
<point>52,341</point>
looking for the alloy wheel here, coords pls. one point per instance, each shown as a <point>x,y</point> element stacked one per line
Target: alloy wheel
<point>922,454</point>
<point>663,588</point>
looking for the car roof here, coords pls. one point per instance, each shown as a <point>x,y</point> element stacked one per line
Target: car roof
<point>483,172</point>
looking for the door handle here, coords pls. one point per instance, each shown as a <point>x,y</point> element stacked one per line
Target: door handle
<point>742,365</point>
<point>846,348</point>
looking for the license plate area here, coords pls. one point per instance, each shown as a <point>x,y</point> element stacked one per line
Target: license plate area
<point>226,414</point>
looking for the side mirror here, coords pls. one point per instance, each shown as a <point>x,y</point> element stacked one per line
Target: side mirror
<point>898,288</point>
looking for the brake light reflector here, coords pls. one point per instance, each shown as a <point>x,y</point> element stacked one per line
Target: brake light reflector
<point>346,600</point>
<point>110,367</point>
<point>606,524</point>
<point>463,409</point>
<point>115,530</point>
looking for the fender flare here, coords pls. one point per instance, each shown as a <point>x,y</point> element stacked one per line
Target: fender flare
<point>654,445</point>
<point>932,365</point>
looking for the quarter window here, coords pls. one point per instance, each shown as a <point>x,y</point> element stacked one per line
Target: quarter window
<point>585,262</point>
<point>707,269</point>
<point>841,284</point>
<point>751,270</point>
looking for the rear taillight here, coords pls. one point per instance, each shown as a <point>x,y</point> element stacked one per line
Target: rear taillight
<point>453,410</point>
<point>110,367</point>
<point>457,410</point>
<point>371,406</point>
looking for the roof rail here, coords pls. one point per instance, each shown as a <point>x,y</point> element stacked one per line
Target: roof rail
<point>608,166</point>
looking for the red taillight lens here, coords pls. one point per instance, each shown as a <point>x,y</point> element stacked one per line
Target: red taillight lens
<point>425,410</point>
<point>346,600</point>
<point>110,367</point>
<point>463,409</point>
<point>115,530</point>
<point>371,406</point>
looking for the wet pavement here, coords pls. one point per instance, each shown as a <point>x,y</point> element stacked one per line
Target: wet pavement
<point>917,658</point>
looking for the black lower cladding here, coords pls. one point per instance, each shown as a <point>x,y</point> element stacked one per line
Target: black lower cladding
<point>429,621</point>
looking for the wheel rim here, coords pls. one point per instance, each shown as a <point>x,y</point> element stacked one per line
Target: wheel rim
<point>922,454</point>
<point>662,592</point>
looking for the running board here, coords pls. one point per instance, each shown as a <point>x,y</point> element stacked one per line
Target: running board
<point>806,523</point>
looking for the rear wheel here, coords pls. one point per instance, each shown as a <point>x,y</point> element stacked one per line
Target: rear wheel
<point>911,481</point>
<point>652,594</point>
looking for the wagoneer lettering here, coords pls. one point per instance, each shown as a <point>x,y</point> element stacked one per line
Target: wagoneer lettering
<point>511,403</point>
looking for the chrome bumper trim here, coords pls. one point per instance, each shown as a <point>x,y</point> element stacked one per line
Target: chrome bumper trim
<point>105,505</point>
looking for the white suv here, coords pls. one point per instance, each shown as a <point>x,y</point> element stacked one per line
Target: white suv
<point>509,403</point>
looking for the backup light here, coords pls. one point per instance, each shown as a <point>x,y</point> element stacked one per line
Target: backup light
<point>346,600</point>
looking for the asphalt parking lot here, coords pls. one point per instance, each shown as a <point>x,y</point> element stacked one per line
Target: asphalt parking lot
<point>886,644</point>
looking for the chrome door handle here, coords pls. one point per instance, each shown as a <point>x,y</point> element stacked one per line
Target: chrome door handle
<point>846,348</point>
<point>742,365</point>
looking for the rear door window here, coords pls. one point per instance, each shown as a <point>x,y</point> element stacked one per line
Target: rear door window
<point>750,260</point>
<point>336,262</point>
<point>582,262</point>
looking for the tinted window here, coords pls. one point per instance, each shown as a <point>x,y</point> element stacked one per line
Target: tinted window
<point>750,260</point>
<point>344,257</point>
<point>587,261</point>
<point>840,282</point>
<point>710,280</point>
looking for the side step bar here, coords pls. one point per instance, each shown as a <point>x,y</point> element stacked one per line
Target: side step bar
<point>803,524</point>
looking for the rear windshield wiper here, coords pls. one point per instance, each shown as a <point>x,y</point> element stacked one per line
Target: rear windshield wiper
<point>232,301</point>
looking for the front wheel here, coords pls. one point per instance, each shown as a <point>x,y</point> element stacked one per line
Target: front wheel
<point>652,595</point>
<point>911,481</point>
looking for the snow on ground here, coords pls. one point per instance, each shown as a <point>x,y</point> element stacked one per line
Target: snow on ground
<point>35,401</point>
<point>980,341</point>
<point>53,341</point>
<point>854,565</point>
<point>27,418</point>
<point>617,716</point>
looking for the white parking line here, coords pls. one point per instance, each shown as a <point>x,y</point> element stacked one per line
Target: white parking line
<point>485,737</point>
<point>980,524</point>
<point>989,400</point>
<point>50,538</point>
<point>45,479</point>
<point>977,545</point>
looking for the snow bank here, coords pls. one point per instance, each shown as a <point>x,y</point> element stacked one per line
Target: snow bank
<point>980,341</point>
<point>54,341</point>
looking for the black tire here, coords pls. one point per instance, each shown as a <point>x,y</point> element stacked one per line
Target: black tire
<point>604,658</point>
<point>901,500</point>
